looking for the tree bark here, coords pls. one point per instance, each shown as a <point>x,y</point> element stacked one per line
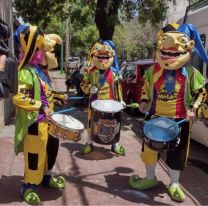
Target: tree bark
<point>106,17</point>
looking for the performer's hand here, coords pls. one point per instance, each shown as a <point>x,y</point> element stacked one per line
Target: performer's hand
<point>190,114</point>
<point>93,90</point>
<point>123,103</point>
<point>2,62</point>
<point>66,97</point>
<point>142,107</point>
<point>48,112</point>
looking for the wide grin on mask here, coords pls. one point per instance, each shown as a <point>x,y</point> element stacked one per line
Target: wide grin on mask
<point>102,56</point>
<point>171,53</point>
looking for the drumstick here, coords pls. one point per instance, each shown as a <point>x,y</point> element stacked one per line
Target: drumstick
<point>65,110</point>
<point>177,123</point>
<point>75,97</point>
<point>133,105</point>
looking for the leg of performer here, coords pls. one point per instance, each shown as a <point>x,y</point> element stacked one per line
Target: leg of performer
<point>35,160</point>
<point>88,147</point>
<point>176,161</point>
<point>52,151</point>
<point>150,158</point>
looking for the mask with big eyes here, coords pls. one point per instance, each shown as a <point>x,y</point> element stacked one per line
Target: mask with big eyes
<point>173,50</point>
<point>102,56</point>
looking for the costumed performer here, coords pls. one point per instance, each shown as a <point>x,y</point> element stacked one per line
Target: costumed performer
<point>34,106</point>
<point>101,82</point>
<point>173,89</point>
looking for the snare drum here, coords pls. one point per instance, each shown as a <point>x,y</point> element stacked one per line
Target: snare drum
<point>66,127</point>
<point>160,134</point>
<point>106,121</point>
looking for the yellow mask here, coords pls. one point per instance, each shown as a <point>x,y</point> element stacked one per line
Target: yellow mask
<point>173,50</point>
<point>50,60</point>
<point>102,56</point>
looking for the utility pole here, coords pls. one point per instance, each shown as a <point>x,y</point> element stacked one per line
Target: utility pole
<point>67,36</point>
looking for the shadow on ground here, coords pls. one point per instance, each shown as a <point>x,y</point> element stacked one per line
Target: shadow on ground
<point>117,185</point>
<point>10,190</point>
<point>99,152</point>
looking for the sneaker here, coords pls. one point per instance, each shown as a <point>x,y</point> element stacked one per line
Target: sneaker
<point>28,194</point>
<point>137,183</point>
<point>87,149</point>
<point>176,193</point>
<point>118,149</point>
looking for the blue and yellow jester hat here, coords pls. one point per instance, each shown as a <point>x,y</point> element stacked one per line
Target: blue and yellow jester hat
<point>192,33</point>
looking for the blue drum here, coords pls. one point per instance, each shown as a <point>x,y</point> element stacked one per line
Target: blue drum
<point>161,134</point>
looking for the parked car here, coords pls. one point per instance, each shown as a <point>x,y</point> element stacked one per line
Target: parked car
<point>132,81</point>
<point>73,62</point>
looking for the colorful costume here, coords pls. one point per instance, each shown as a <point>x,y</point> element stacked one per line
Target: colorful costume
<point>172,89</point>
<point>101,82</point>
<point>35,102</point>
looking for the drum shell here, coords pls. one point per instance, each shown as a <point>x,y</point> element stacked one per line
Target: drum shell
<point>162,145</point>
<point>99,121</point>
<point>60,132</point>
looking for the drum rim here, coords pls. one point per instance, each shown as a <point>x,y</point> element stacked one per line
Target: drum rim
<point>162,150</point>
<point>74,130</point>
<point>122,107</point>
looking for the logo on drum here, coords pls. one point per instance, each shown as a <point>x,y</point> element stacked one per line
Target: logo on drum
<point>106,129</point>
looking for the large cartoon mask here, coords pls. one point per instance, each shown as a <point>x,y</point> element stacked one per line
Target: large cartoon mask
<point>175,44</point>
<point>102,56</point>
<point>173,48</point>
<point>50,40</point>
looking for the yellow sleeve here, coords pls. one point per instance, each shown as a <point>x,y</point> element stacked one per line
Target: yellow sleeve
<point>24,101</point>
<point>145,89</point>
<point>117,89</point>
<point>85,84</point>
<point>58,95</point>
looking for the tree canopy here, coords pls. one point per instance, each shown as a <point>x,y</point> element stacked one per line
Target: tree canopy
<point>90,19</point>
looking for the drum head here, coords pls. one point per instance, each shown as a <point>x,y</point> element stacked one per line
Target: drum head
<point>67,121</point>
<point>157,129</point>
<point>108,106</point>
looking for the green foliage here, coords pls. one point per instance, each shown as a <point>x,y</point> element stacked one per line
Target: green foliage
<point>39,12</point>
<point>135,41</point>
<point>130,38</point>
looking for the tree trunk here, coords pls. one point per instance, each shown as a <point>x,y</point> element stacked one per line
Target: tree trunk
<point>106,17</point>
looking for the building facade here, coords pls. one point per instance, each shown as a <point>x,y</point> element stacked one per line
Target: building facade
<point>176,11</point>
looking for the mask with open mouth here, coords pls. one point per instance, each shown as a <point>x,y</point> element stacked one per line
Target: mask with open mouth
<point>173,50</point>
<point>102,56</point>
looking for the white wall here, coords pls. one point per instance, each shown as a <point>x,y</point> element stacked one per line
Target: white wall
<point>177,10</point>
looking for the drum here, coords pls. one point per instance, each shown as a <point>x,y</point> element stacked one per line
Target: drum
<point>161,134</point>
<point>106,121</point>
<point>66,127</point>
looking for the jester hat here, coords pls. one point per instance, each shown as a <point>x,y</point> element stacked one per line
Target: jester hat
<point>30,39</point>
<point>192,33</point>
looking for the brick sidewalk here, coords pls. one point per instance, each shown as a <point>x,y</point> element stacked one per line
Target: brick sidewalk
<point>100,178</point>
